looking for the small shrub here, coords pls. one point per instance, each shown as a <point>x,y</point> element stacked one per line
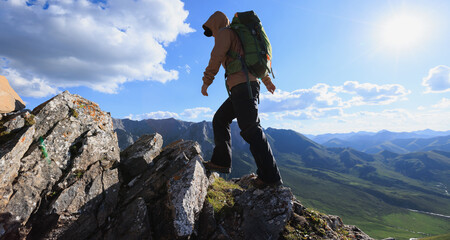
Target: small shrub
<point>73,150</point>
<point>4,133</point>
<point>74,113</point>
<point>5,136</point>
<point>78,174</point>
<point>29,121</point>
<point>318,223</point>
<point>291,232</point>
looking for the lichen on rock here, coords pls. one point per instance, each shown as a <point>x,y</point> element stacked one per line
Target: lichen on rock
<point>35,191</point>
<point>187,192</point>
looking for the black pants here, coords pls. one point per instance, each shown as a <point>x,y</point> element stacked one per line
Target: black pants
<point>240,106</point>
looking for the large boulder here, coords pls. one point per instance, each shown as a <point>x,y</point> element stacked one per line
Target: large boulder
<point>237,210</point>
<point>136,158</point>
<point>58,169</point>
<point>9,99</point>
<point>173,189</point>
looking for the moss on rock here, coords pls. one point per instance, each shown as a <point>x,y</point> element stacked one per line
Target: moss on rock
<point>220,196</point>
<point>5,135</point>
<point>29,120</point>
<point>74,113</point>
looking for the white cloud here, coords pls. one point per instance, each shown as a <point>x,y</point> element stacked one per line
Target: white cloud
<point>187,68</point>
<point>392,119</point>
<point>264,116</point>
<point>373,94</point>
<point>131,117</point>
<point>442,104</point>
<point>190,113</point>
<point>310,113</point>
<point>193,113</point>
<point>323,96</point>
<point>438,80</point>
<point>80,43</point>
<point>396,120</point>
<point>31,86</point>
<point>154,115</point>
<point>318,96</point>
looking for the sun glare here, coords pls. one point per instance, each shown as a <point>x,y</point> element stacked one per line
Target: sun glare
<point>402,31</point>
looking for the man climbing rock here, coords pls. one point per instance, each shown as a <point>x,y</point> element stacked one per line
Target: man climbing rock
<point>241,104</point>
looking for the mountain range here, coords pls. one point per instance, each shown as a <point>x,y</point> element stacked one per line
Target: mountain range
<point>373,191</point>
<point>398,142</point>
<point>385,134</point>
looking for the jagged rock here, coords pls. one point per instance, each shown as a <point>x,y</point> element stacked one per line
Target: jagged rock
<point>17,120</point>
<point>133,222</point>
<point>66,183</point>
<point>173,188</point>
<point>11,152</point>
<point>265,212</point>
<point>334,222</point>
<point>245,212</point>
<point>315,225</point>
<point>187,192</point>
<point>9,99</point>
<point>250,213</point>
<point>207,221</point>
<point>9,228</point>
<point>137,157</point>
<point>356,233</point>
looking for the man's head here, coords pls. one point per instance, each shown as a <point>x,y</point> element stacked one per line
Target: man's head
<point>216,22</point>
<point>207,32</point>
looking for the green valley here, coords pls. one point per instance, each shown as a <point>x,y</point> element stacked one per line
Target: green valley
<point>371,191</point>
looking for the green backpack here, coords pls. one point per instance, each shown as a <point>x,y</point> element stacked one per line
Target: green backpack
<point>257,58</point>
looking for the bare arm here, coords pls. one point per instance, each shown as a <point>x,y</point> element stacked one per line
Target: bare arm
<point>269,84</point>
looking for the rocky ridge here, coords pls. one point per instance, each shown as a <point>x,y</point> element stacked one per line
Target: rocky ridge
<point>63,177</point>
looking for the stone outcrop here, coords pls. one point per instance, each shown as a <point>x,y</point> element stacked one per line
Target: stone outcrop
<point>238,210</point>
<point>173,188</point>
<point>245,212</point>
<point>62,177</point>
<point>138,156</point>
<point>57,166</point>
<point>9,99</point>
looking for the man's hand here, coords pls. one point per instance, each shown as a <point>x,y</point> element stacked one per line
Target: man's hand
<point>270,87</point>
<point>204,89</point>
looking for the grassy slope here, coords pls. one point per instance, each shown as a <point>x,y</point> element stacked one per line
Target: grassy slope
<point>440,237</point>
<point>347,196</point>
<point>419,225</point>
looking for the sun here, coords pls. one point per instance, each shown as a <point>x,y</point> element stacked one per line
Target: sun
<point>402,31</point>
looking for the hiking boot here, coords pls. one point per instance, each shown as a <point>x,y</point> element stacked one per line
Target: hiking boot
<point>216,168</point>
<point>259,183</point>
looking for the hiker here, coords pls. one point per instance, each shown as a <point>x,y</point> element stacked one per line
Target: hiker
<point>238,105</point>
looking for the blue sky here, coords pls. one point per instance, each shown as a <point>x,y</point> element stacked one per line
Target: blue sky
<point>340,66</point>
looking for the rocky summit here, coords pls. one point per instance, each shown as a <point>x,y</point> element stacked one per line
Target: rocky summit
<point>64,177</point>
